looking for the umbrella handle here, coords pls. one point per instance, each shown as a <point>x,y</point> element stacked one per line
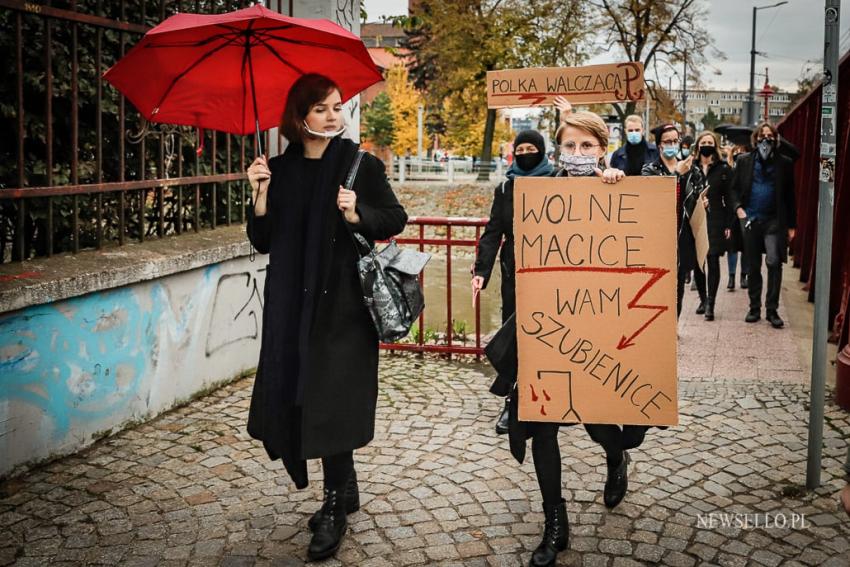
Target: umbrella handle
<point>259,137</point>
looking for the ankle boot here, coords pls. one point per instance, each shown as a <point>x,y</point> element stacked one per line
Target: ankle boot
<point>745,281</point>
<point>330,528</point>
<point>617,483</point>
<point>504,418</point>
<point>709,309</point>
<point>352,501</point>
<point>556,536</point>
<point>731,285</point>
<point>701,307</point>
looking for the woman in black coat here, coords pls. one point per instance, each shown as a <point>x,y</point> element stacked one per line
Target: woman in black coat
<point>498,237</point>
<point>316,387</point>
<point>717,177</point>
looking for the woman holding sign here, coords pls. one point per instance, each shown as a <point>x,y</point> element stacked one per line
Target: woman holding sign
<point>529,161</point>
<point>718,177</point>
<point>583,141</point>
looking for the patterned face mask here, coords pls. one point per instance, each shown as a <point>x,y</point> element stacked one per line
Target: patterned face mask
<point>578,166</point>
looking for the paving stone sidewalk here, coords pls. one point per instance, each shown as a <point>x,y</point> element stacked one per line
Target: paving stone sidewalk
<point>440,488</point>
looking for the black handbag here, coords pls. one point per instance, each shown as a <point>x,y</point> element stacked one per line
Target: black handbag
<point>389,279</point>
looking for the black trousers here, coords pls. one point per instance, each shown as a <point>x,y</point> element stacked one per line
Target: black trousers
<point>763,238</point>
<point>547,453</point>
<point>712,262</point>
<point>337,470</point>
<point>699,278</point>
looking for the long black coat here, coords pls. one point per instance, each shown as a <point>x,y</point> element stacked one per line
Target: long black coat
<point>719,215</point>
<point>499,227</point>
<point>336,364</point>
<point>786,208</point>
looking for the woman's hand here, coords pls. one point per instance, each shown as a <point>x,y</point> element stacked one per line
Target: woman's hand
<point>610,175</point>
<point>347,202</point>
<point>684,166</point>
<point>477,285</point>
<point>563,106</point>
<point>727,233</point>
<point>259,177</point>
<point>705,202</point>
<point>741,213</point>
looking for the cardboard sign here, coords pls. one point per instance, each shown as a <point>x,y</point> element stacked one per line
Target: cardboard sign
<point>596,300</point>
<point>699,226</point>
<point>618,82</point>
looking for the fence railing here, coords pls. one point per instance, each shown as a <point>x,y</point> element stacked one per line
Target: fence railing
<point>405,169</point>
<point>448,240</point>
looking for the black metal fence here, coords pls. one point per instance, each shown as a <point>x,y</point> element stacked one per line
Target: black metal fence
<point>80,167</point>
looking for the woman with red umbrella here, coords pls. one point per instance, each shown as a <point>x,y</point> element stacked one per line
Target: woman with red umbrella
<point>317,379</point>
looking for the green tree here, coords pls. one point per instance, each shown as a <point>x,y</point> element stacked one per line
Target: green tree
<point>377,124</point>
<point>710,120</point>
<point>661,34</point>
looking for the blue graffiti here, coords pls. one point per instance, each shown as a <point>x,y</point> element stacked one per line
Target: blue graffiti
<point>81,359</point>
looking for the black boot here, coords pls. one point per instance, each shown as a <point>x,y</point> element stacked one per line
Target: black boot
<point>731,285</point>
<point>701,307</point>
<point>556,536</point>
<point>775,320</point>
<point>617,483</point>
<point>753,315</point>
<point>502,422</point>
<point>744,281</point>
<point>330,528</point>
<point>352,501</point>
<point>709,309</point>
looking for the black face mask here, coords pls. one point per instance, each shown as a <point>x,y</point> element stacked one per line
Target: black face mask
<point>706,151</point>
<point>527,162</point>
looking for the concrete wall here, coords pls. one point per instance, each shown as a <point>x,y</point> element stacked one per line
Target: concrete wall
<point>74,370</point>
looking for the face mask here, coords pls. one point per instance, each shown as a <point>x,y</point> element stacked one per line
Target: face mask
<point>323,134</point>
<point>578,166</point>
<point>634,137</point>
<point>706,151</point>
<point>765,148</point>
<point>527,162</point>
<point>686,152</point>
<point>671,151</point>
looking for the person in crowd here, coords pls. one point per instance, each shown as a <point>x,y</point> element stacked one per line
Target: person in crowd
<point>582,140</point>
<point>637,151</point>
<point>686,145</point>
<point>316,387</point>
<point>763,200</point>
<point>689,184</point>
<point>736,243</point>
<point>717,177</point>
<point>529,160</point>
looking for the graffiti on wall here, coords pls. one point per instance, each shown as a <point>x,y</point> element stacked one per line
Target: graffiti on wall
<point>101,359</point>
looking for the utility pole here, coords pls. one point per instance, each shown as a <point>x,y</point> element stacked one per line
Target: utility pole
<point>826,195</point>
<point>685,96</point>
<point>419,128</point>
<point>751,96</point>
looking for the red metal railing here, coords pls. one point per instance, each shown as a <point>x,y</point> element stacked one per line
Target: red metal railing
<point>450,347</point>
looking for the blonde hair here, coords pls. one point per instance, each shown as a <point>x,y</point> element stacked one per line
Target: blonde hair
<point>633,118</point>
<point>587,122</point>
<point>713,136</point>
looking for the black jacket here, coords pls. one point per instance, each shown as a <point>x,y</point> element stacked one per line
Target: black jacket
<point>336,363</point>
<point>742,185</point>
<point>499,235</point>
<point>719,215</point>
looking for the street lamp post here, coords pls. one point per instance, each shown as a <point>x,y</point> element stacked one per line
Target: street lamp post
<point>751,97</point>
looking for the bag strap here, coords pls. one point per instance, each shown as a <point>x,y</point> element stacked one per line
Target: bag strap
<point>356,239</point>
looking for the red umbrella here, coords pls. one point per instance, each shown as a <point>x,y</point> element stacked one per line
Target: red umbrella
<point>232,72</point>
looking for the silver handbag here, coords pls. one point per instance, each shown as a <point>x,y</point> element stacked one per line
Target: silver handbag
<point>389,279</point>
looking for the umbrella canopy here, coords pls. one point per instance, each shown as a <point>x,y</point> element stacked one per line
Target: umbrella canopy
<point>738,135</point>
<point>232,72</point>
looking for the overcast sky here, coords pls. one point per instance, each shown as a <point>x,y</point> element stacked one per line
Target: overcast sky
<point>791,36</point>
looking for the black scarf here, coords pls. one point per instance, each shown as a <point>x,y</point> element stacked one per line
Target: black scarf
<point>635,156</point>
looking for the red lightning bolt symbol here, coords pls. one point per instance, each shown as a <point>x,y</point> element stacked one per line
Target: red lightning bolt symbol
<point>655,275</point>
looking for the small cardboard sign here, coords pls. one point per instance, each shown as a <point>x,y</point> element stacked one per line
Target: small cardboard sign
<point>596,300</point>
<point>617,82</point>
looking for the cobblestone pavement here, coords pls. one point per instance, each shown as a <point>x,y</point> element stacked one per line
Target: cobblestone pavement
<point>438,486</point>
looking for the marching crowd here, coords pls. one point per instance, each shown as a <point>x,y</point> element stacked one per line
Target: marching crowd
<point>315,391</point>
